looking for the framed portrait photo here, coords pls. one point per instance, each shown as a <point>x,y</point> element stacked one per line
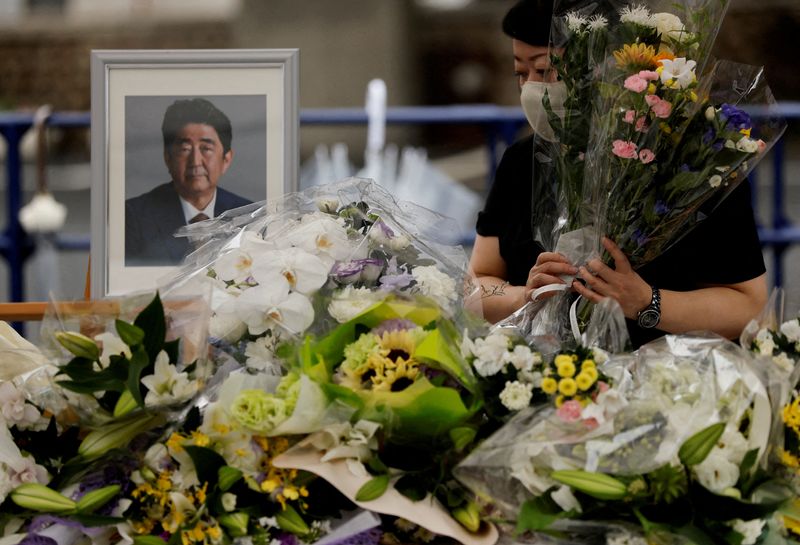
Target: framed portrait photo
<point>180,136</point>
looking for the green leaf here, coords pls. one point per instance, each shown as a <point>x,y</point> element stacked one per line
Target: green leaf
<point>747,464</point>
<point>207,463</point>
<point>376,465</point>
<point>536,515</point>
<point>695,449</point>
<point>149,540</point>
<point>151,321</point>
<point>172,348</point>
<point>139,362</point>
<point>373,489</point>
<point>228,476</point>
<point>462,436</point>
<point>129,333</point>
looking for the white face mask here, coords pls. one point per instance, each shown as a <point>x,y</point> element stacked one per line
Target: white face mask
<point>531,99</point>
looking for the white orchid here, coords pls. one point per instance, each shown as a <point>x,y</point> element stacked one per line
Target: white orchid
<point>166,385</point>
<point>325,237</point>
<point>304,272</point>
<point>112,346</point>
<point>678,73</point>
<point>234,266</point>
<point>14,408</point>
<point>750,529</point>
<point>260,354</point>
<point>273,305</point>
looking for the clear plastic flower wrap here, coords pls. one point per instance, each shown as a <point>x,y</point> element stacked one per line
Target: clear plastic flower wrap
<point>315,259</point>
<point>660,398</point>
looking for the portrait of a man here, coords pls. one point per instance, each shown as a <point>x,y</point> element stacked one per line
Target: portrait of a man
<point>198,151</point>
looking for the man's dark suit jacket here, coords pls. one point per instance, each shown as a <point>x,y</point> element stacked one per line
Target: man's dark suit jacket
<point>152,218</point>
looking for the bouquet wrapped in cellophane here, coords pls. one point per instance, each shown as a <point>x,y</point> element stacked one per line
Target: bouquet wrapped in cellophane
<point>652,135</point>
<point>672,444</point>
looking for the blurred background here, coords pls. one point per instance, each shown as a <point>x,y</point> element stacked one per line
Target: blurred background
<point>429,52</point>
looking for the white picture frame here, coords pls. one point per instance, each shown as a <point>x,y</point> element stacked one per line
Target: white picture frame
<point>131,90</point>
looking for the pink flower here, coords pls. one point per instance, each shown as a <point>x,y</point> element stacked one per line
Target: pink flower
<point>591,423</point>
<point>641,124</point>
<point>761,145</point>
<point>646,156</point>
<point>661,108</point>
<point>635,83</point>
<point>629,116</point>
<point>570,411</point>
<point>648,75</point>
<point>626,150</point>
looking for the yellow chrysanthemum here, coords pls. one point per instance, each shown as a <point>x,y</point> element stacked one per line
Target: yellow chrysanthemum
<point>549,385</point>
<point>788,459</point>
<point>566,369</point>
<point>585,364</point>
<point>791,414</point>
<point>567,386</point>
<point>591,372</point>
<point>562,359</point>
<point>584,381</point>
<point>634,57</point>
<point>560,401</point>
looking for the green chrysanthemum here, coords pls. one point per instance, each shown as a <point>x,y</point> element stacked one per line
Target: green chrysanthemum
<point>668,483</point>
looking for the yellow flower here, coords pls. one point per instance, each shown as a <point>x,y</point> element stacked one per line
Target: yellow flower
<point>693,97</point>
<point>666,128</point>
<point>663,55</point>
<point>164,482</point>
<point>174,443</point>
<point>584,381</point>
<point>634,57</point>
<point>221,429</point>
<point>788,459</point>
<point>269,485</point>
<point>745,132</point>
<point>560,401</point>
<point>549,385</point>
<point>200,439</point>
<point>574,358</point>
<point>791,414</point>
<point>591,372</point>
<point>290,493</point>
<point>567,386</point>
<point>588,363</point>
<point>562,359</point>
<point>214,532</point>
<point>651,89</point>
<point>566,369</point>
<point>201,493</point>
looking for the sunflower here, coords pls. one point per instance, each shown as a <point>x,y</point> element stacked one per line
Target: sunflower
<point>634,57</point>
<point>396,368</point>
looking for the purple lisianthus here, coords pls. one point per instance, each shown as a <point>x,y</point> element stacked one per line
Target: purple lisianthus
<point>639,238</point>
<point>736,119</point>
<point>709,136</point>
<point>364,270</point>
<point>395,324</point>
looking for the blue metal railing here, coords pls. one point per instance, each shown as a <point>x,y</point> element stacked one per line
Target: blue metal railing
<point>499,124</point>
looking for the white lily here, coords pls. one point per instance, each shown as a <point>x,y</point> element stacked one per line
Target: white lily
<point>343,440</point>
<point>305,272</point>
<point>678,73</point>
<point>166,385</point>
<point>272,305</point>
<point>112,346</point>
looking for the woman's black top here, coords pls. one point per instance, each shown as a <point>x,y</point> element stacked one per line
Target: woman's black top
<point>722,249</point>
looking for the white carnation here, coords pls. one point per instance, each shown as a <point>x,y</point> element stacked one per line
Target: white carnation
<point>638,15</point>
<point>435,284</point>
<point>717,473</point>
<point>783,361</point>
<point>523,358</point>
<point>791,329</point>
<point>516,395</point>
<point>750,529</point>
<point>490,354</point>
<point>668,25</point>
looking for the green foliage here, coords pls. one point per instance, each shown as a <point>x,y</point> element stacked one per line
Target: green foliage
<point>373,489</point>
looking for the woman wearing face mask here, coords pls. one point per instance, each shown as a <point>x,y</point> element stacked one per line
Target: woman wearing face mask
<point>713,279</point>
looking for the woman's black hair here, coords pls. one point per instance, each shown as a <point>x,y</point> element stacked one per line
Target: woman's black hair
<point>529,21</point>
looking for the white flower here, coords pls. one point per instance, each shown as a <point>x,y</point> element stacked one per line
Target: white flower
<point>28,472</point>
<point>323,236</point>
<point>349,302</point>
<point>516,395</point>
<point>329,206</point>
<point>732,445</point>
<point>625,538</point>
<point>716,473</point>
<point>112,346</point>
<point>576,22</point>
<point>711,113</point>
<point>15,410</point>
<point>750,529</point>
<point>43,214</point>
<point>639,15</point>
<point>467,345</point>
<point>381,234</point>
<point>678,73</point>
<point>783,361</point>
<point>233,266</point>
<point>273,305</point>
<point>715,180</point>
<point>764,342</point>
<point>225,326</point>
<point>157,457</point>
<point>597,22</point>
<point>565,499</point>
<point>600,355</point>
<point>435,284</point>
<point>747,145</point>
<point>723,169</point>
<point>730,144</point>
<point>304,272</point>
<point>228,501</point>
<point>791,329</point>
<point>261,354</point>
<point>343,440</point>
<point>166,385</point>
<point>607,404</point>
<point>523,358</point>
<point>668,25</point>
<point>490,354</point>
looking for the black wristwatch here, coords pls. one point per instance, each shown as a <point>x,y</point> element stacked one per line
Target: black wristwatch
<point>650,315</point>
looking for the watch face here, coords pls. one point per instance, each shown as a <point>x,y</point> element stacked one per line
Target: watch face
<point>649,318</point>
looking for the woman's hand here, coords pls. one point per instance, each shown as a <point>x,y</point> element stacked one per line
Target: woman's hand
<point>621,283</point>
<point>548,270</point>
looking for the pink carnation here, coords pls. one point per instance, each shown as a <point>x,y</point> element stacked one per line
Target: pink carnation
<point>641,124</point>
<point>646,156</point>
<point>648,75</point>
<point>635,83</point>
<point>661,108</point>
<point>629,116</point>
<point>626,150</point>
<point>570,411</point>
